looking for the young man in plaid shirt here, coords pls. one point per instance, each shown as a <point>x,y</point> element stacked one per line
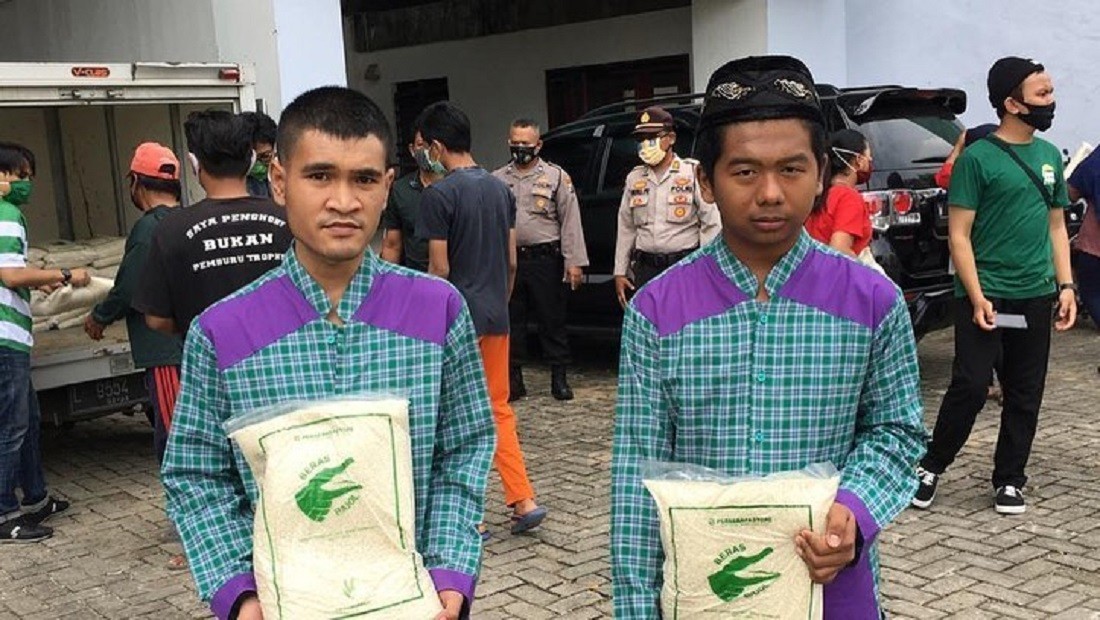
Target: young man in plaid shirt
<point>764,351</point>
<point>332,320</point>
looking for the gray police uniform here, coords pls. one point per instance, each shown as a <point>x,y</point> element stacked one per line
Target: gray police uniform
<point>661,220</point>
<point>549,238</point>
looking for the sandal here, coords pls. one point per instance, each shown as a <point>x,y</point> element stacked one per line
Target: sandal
<point>529,521</point>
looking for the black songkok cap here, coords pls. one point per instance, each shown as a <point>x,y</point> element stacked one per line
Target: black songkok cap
<point>760,88</point>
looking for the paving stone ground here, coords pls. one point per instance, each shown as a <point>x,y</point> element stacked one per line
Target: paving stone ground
<point>958,560</point>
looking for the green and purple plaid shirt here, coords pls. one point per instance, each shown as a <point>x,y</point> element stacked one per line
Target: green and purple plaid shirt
<point>825,370</point>
<point>269,343</point>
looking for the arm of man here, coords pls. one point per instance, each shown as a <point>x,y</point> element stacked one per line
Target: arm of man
<point>643,431</point>
<point>118,300</point>
<point>392,245</point>
<point>434,224</point>
<point>513,260</point>
<point>625,238</point>
<point>573,248</point>
<point>877,481</point>
<point>1059,239</point>
<point>31,277</point>
<point>464,443</point>
<point>963,201</point>
<point>392,237</point>
<point>205,494</point>
<point>153,296</point>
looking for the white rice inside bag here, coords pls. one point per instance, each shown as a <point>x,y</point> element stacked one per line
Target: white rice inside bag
<point>334,531</point>
<point>730,544</point>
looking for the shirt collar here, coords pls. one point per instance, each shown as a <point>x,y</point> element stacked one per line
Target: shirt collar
<point>673,168</point>
<point>743,277</point>
<point>353,296</point>
<point>516,172</point>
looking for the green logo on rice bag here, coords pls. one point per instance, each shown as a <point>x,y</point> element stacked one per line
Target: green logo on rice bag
<point>315,501</point>
<point>729,583</point>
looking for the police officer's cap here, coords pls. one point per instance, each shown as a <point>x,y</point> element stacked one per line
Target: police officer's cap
<point>761,88</point>
<point>652,121</point>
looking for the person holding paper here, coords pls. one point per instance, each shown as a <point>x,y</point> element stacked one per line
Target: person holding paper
<point>333,320</point>
<point>765,351</point>
<point>1007,234</point>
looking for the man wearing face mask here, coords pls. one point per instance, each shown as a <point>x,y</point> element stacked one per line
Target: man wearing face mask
<point>20,417</point>
<point>214,247</point>
<point>1011,252</point>
<point>264,133</point>
<point>662,217</point>
<point>400,245</point>
<point>549,246</point>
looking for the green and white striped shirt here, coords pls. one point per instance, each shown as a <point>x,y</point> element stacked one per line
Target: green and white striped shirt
<point>15,309</point>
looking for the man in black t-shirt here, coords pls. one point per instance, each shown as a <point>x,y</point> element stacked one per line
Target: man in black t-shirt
<point>469,220</point>
<point>203,253</point>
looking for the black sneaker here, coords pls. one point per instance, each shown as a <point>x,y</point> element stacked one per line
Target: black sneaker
<point>18,530</point>
<point>1010,501</point>
<point>52,507</point>
<point>926,492</point>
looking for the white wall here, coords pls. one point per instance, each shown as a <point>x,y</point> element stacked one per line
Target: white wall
<point>310,45</point>
<point>246,33</point>
<point>723,30</point>
<point>496,79</point>
<point>813,31</point>
<point>954,42</point>
<point>107,30</point>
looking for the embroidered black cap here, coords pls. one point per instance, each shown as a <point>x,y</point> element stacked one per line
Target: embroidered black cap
<point>761,88</point>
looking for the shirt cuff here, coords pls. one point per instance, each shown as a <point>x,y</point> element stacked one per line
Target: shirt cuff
<point>868,528</point>
<point>462,583</point>
<point>226,597</point>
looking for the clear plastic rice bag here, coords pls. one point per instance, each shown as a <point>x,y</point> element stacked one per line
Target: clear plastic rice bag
<point>334,532</point>
<point>730,542</point>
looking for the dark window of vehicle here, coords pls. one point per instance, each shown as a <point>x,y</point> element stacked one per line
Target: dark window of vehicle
<point>574,151</point>
<point>909,140</point>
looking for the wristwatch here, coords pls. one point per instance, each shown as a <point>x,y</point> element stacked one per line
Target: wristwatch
<point>66,276</point>
<point>1067,286</point>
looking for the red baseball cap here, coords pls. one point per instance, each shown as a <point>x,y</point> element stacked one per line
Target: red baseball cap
<point>155,160</point>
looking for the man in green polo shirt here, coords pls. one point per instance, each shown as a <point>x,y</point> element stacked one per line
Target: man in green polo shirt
<point>400,245</point>
<point>1008,241</point>
<point>20,458</point>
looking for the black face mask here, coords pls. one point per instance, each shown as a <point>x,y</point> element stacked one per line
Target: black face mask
<point>1040,116</point>
<point>522,155</point>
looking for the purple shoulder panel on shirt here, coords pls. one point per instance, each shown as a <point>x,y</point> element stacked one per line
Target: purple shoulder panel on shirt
<point>841,287</point>
<point>688,293</point>
<point>241,326</point>
<point>410,305</point>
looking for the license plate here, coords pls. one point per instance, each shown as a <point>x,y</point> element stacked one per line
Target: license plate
<point>107,393</point>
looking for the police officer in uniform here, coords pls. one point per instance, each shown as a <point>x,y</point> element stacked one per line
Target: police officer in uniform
<point>550,250</point>
<point>662,217</point>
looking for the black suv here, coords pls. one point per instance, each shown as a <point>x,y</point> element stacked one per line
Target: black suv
<point>911,132</point>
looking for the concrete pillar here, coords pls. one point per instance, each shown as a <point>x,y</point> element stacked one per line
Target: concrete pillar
<point>723,30</point>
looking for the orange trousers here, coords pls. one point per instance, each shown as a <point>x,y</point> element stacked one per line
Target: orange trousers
<point>508,458</point>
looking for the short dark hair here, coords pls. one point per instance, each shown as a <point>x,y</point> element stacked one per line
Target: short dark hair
<point>335,111</point>
<point>263,127</point>
<point>445,123</point>
<point>844,146</point>
<point>524,123</point>
<point>221,141</point>
<point>153,184</point>
<point>14,157</point>
<point>708,144</point>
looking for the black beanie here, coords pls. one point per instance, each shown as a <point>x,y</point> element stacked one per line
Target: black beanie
<point>1006,74</point>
